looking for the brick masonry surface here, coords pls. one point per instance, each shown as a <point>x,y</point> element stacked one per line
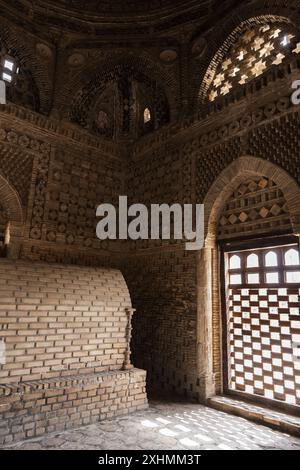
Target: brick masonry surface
<point>58,320</point>
<point>59,172</point>
<point>65,329</point>
<point>35,408</point>
<point>167,426</point>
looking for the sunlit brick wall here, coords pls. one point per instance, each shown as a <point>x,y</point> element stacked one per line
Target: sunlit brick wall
<point>61,320</point>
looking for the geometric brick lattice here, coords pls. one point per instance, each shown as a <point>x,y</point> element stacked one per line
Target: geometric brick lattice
<point>256,51</point>
<point>264,325</point>
<point>257,206</point>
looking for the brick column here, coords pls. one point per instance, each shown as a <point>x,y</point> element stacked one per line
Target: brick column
<point>205,323</point>
<point>15,239</point>
<point>127,362</point>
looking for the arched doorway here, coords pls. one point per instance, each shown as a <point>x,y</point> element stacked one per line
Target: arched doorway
<point>11,220</point>
<point>247,329</point>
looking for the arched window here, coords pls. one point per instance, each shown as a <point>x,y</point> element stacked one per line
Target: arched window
<point>257,49</point>
<point>235,262</point>
<point>102,120</point>
<point>271,259</point>
<point>291,257</point>
<point>147,115</point>
<point>9,68</point>
<point>252,261</point>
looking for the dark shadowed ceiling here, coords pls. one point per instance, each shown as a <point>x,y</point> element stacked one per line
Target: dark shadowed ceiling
<point>82,15</point>
<point>130,7</point>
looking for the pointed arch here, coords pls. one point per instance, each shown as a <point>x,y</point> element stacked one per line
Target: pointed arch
<point>235,174</point>
<point>210,353</point>
<point>10,201</point>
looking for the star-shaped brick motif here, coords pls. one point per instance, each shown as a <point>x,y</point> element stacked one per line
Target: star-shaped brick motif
<point>257,49</point>
<point>266,50</point>
<point>297,49</point>
<point>243,80</point>
<point>242,54</point>
<point>251,60</point>
<point>275,34</point>
<point>226,88</point>
<point>219,80</point>
<point>287,40</point>
<point>213,95</point>
<point>226,64</point>
<point>234,71</point>
<point>259,68</point>
<point>279,59</point>
<point>258,43</point>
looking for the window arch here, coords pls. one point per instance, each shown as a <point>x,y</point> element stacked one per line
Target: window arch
<point>292,257</point>
<point>11,220</point>
<point>147,115</point>
<point>9,68</point>
<point>258,48</point>
<point>20,86</point>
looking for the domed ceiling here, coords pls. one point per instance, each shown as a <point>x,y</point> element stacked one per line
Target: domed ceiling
<point>120,6</point>
<point>80,14</point>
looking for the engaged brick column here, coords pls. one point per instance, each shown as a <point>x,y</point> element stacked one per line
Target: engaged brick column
<point>127,362</point>
<point>205,323</point>
<point>16,237</point>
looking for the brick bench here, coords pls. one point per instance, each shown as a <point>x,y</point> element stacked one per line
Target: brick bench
<point>33,408</point>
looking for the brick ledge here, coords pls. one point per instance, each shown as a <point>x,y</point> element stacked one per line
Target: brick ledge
<point>277,420</point>
<point>64,382</point>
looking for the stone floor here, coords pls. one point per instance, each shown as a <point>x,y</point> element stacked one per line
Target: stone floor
<point>169,426</point>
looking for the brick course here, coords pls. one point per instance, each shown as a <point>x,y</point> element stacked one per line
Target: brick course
<point>34,408</point>
<point>65,330</point>
<point>59,320</point>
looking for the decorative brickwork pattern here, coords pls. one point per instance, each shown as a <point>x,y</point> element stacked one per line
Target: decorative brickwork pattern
<point>76,187</point>
<point>257,50</point>
<point>257,206</point>
<point>15,163</point>
<point>120,92</point>
<point>75,169</point>
<point>164,329</point>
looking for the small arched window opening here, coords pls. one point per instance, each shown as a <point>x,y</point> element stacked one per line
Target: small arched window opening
<point>4,233</point>
<point>9,69</point>
<point>147,116</point>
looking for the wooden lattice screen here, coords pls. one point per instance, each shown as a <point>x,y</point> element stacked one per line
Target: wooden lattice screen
<point>263,322</point>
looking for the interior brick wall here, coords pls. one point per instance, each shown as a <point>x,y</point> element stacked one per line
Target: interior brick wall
<point>65,329</point>
<point>34,409</point>
<point>61,172</point>
<point>189,167</point>
<point>58,320</point>
<point>163,287</point>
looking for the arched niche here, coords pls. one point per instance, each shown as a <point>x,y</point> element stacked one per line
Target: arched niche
<point>12,215</point>
<point>244,169</point>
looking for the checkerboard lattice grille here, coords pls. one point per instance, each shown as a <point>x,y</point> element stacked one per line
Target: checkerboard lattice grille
<point>264,333</point>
